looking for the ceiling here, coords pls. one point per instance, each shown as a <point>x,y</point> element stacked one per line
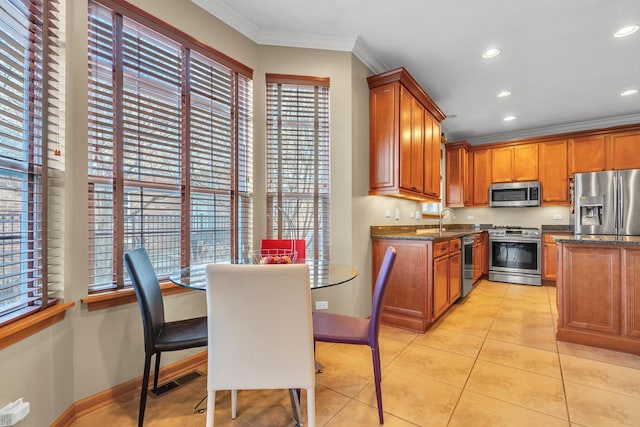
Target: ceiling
<point>559,59</point>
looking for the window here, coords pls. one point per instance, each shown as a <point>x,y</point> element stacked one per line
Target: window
<point>170,164</point>
<point>29,151</point>
<point>298,161</point>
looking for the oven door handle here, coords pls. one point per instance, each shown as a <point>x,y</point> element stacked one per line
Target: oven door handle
<point>508,240</point>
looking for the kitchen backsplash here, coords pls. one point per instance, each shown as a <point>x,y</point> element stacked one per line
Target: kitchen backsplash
<point>526,217</point>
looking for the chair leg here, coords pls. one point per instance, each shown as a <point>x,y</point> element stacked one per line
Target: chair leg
<point>156,373</point>
<point>234,403</point>
<point>211,407</point>
<point>377,378</point>
<point>145,386</point>
<point>294,394</point>
<point>311,407</point>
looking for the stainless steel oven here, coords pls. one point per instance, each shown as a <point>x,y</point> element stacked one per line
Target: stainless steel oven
<point>515,255</point>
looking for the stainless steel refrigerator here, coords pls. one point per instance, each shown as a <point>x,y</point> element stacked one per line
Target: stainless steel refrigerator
<point>607,202</point>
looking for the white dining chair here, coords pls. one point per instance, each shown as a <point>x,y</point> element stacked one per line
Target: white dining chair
<point>259,317</point>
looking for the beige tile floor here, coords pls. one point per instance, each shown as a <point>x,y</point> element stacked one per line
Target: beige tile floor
<point>492,360</point>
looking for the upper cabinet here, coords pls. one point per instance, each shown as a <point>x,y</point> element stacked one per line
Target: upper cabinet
<point>625,150</point>
<point>458,178</point>
<point>481,176</point>
<point>404,138</point>
<point>470,169</point>
<point>553,172</point>
<point>587,154</point>
<point>514,163</point>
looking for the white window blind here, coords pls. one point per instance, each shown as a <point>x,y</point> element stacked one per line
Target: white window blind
<point>167,133</point>
<point>298,161</point>
<point>29,147</point>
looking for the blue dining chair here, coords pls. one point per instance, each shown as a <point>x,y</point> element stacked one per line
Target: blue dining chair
<point>337,328</point>
<point>159,335</point>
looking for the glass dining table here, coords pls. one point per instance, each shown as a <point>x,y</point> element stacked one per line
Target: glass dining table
<point>322,274</point>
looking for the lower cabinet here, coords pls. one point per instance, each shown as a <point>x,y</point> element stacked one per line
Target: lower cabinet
<point>550,256</point>
<point>599,295</point>
<point>446,276</point>
<point>424,281</point>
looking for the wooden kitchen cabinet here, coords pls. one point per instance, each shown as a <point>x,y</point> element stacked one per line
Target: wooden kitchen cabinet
<point>514,163</point>
<point>411,143</point>
<point>599,294</point>
<point>632,260</point>
<point>481,169</point>
<point>408,302</point>
<point>458,179</point>
<point>625,150</point>
<point>404,138</point>
<point>432,173</point>
<point>441,281</point>
<point>587,154</point>
<point>550,256</point>
<point>446,275</point>
<point>591,288</point>
<point>553,171</point>
<point>425,280</point>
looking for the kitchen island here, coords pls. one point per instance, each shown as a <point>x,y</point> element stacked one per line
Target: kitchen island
<point>598,291</point>
<point>425,280</point>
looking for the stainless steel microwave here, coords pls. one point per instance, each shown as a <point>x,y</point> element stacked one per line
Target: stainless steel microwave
<point>514,194</point>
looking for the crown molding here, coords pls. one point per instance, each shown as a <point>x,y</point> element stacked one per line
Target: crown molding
<point>239,22</point>
<point>230,16</point>
<point>365,54</point>
<point>307,40</point>
<point>552,130</point>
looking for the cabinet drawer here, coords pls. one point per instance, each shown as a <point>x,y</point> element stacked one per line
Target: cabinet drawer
<point>440,248</point>
<point>454,245</point>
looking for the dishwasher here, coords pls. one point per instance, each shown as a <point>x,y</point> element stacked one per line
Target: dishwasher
<point>467,265</point>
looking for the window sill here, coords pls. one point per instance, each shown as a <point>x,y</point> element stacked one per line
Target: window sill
<point>27,326</point>
<point>105,300</point>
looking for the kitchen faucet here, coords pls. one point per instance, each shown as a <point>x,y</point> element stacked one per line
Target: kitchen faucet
<point>453,215</point>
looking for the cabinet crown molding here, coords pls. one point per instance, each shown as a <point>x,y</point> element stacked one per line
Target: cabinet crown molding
<point>402,76</point>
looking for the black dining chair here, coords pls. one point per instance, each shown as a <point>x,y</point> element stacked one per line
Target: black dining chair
<point>337,328</point>
<point>159,335</point>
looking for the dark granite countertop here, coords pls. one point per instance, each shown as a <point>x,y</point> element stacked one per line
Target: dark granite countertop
<point>414,232</point>
<point>598,239</point>
<point>546,228</point>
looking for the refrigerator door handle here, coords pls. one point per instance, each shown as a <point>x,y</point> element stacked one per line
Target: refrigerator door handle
<point>620,196</point>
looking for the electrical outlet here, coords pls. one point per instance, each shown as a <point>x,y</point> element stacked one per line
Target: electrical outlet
<point>387,213</point>
<point>557,216</point>
<point>470,217</point>
<point>322,305</point>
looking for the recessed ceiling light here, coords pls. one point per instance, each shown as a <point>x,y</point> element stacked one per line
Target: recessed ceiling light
<point>509,118</point>
<point>504,94</point>
<point>491,53</point>
<point>629,92</point>
<point>626,31</point>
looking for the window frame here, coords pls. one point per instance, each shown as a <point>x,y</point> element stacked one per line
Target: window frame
<point>239,192</point>
<point>284,219</point>
<point>39,134</point>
